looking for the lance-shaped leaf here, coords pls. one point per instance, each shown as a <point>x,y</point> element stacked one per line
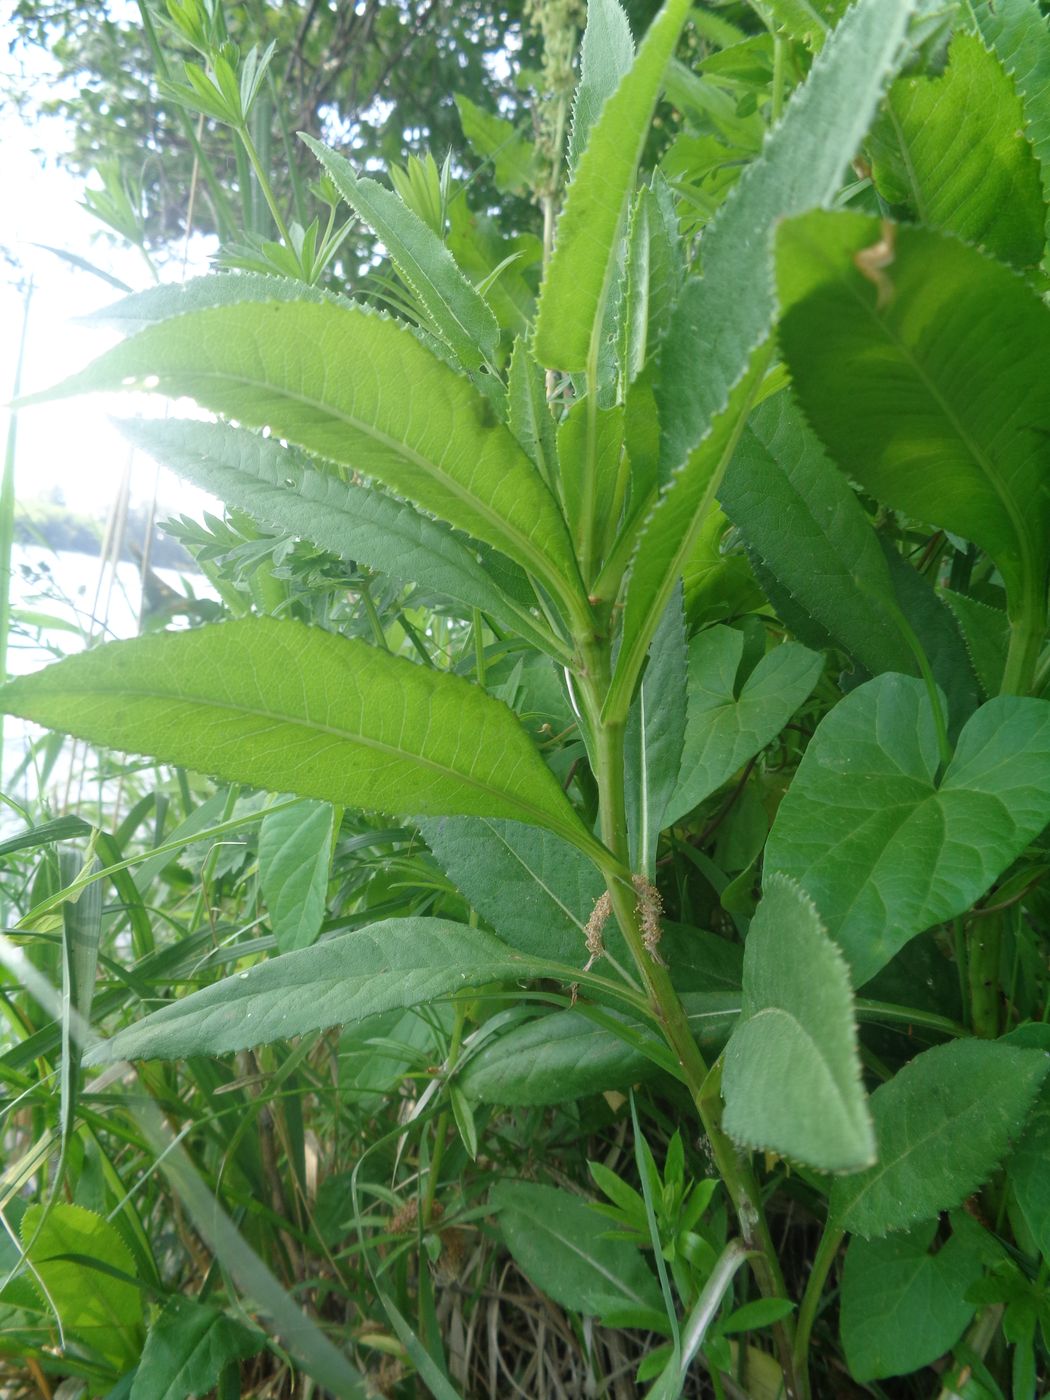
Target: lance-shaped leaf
<point>725,724</point>
<point>155,304</point>
<point>923,375</point>
<point>943,1124</point>
<point>279,489</point>
<point>606,55</point>
<point>397,963</point>
<point>791,1078</point>
<point>295,709</point>
<point>708,364</point>
<point>1020,34</point>
<point>357,389</point>
<point>950,152</point>
<point>800,514</point>
<point>585,265</point>
<point>457,310</point>
<point>295,852</point>
<point>886,847</point>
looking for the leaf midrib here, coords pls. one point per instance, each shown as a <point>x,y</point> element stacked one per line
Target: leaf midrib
<point>539,817</point>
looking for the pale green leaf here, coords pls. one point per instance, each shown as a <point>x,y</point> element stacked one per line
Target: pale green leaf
<point>902,1305</point>
<point>728,723</point>
<point>456,310</point>
<point>884,846</point>
<point>606,55</point>
<point>924,379</point>
<point>655,271</point>
<point>398,963</point>
<point>188,1348</point>
<point>495,139</point>
<point>655,734</point>
<point>357,389</point>
<point>721,319</point>
<point>295,850</point>
<point>950,152</point>
<point>585,265</point>
<point>556,1240</point>
<point>586,430</point>
<point>354,522</point>
<point>295,709</point>
<point>942,1124</point>
<point>97,1308</point>
<point>528,414</point>
<point>155,304</point>
<point>791,1077</point>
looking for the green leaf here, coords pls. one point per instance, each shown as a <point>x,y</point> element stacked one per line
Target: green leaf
<point>656,730</point>
<point>1020,35</point>
<point>655,270</point>
<point>791,1077</point>
<point>987,634</point>
<point>606,55</point>
<point>535,890</point>
<point>942,1124</point>
<point>354,522</point>
<point>495,139</point>
<point>584,430</point>
<point>458,313</point>
<point>295,850</point>
<point>883,846</point>
<point>1028,1177</point>
<point>556,1239</point>
<point>528,412</point>
<point>397,963</point>
<point>357,389</point>
<point>902,1306</point>
<point>950,153</point>
<point>188,1348</point>
<point>727,722</point>
<point>98,1308</point>
<point>923,379</point>
<point>155,304</point>
<point>556,1059</point>
<point>798,511</point>
<point>721,319</point>
<point>296,709</point>
<point>585,265</point>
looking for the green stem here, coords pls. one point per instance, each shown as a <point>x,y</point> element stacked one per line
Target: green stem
<point>607,741</point>
<point>441,1130</point>
<point>1027,634</point>
<point>810,1305</point>
<point>985,943</point>
<point>264,184</point>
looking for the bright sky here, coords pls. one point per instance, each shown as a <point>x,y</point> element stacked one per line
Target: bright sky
<point>70,444</point>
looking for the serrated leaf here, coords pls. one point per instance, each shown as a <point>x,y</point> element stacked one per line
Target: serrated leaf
<point>295,851</point>
<point>397,963</point>
<point>93,1305</point>
<point>528,413</point>
<point>722,318</point>
<point>942,1124</point>
<point>580,277</point>
<point>884,846</point>
<point>655,271</point>
<point>155,304</point>
<point>606,55</point>
<point>188,1348</point>
<point>924,380</point>
<point>556,1059</point>
<point>557,1240</point>
<point>457,311</point>
<point>950,152</point>
<point>354,522</point>
<point>791,1077</point>
<point>728,723</point>
<point>903,1306</point>
<point>798,511</point>
<point>357,389</point>
<point>987,634</point>
<point>295,709</point>
<point>1020,34</point>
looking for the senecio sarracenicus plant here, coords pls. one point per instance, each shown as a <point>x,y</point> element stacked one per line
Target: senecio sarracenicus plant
<point>848,367</point>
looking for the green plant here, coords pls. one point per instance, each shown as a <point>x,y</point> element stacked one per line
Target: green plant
<point>561,489</point>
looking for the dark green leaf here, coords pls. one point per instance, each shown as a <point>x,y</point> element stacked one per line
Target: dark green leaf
<point>942,1125</point>
<point>187,1349</point>
<point>886,848</point>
